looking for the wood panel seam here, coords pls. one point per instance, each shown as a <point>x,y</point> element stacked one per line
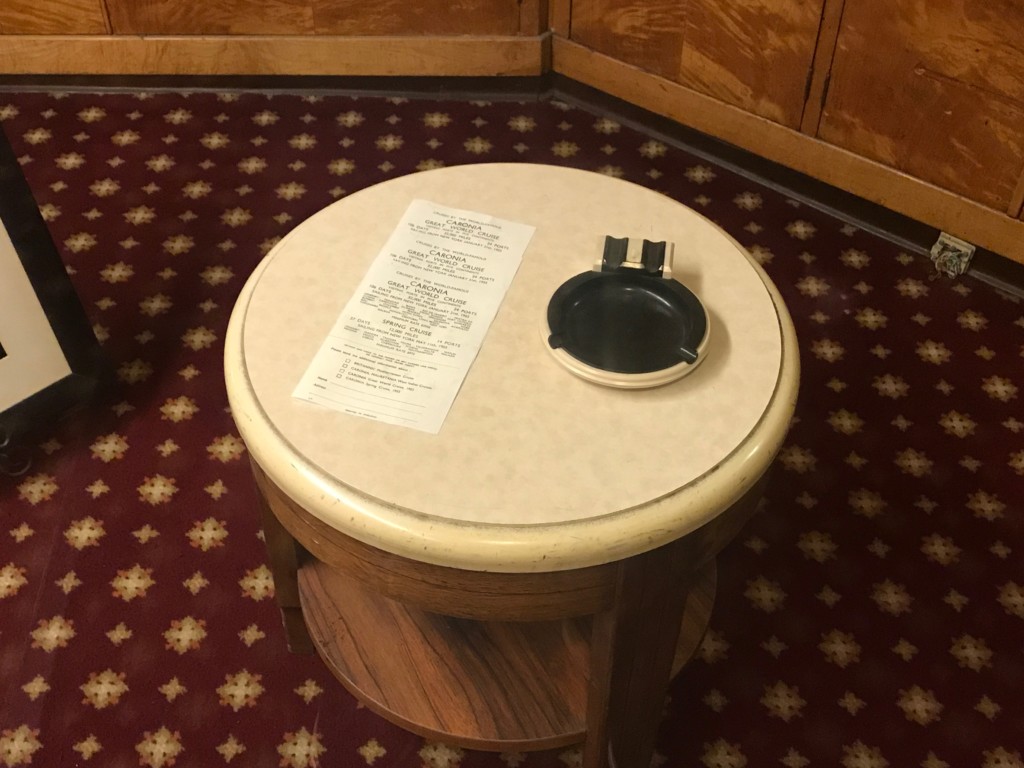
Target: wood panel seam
<point>560,17</point>
<point>1016,206</point>
<point>821,71</point>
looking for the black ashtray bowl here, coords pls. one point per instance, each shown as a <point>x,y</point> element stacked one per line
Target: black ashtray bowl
<point>627,327</point>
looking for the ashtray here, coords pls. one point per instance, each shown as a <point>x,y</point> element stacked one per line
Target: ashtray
<point>628,323</point>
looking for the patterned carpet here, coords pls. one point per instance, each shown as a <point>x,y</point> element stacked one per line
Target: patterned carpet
<point>872,615</point>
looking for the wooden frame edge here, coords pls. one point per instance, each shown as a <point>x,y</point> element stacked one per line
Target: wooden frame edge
<point>833,165</point>
<point>267,55</point>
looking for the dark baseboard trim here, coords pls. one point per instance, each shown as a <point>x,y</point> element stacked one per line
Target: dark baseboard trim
<point>911,235</point>
<point>1001,273</point>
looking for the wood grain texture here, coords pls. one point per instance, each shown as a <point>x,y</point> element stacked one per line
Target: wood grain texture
<point>755,54</point>
<point>243,55</point>
<point>211,17</point>
<point>467,594</point>
<point>315,17</point>
<point>934,89</point>
<point>646,33</point>
<point>498,685</point>
<point>533,17</point>
<point>494,685</point>
<point>52,17</point>
<point>423,17</point>
<point>561,655</point>
<point>846,170</point>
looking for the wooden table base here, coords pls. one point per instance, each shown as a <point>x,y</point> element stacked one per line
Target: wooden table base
<point>504,686</point>
<point>508,686</point>
<point>529,661</point>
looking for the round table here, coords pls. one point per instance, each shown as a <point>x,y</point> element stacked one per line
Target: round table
<point>532,575</point>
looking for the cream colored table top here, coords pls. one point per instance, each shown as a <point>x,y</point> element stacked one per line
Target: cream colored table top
<point>534,468</point>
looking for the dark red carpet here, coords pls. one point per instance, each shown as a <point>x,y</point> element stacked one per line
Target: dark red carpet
<point>872,615</point>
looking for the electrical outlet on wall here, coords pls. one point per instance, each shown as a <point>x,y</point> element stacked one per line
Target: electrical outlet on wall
<point>951,255</point>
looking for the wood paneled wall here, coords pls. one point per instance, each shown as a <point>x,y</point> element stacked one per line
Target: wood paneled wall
<point>917,105</point>
<point>315,17</point>
<point>934,89</point>
<point>274,37</point>
<point>754,54</point>
<point>62,17</point>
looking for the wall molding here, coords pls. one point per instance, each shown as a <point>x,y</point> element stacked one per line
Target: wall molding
<point>273,55</point>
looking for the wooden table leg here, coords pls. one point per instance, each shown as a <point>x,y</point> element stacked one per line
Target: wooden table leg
<point>632,649</point>
<point>283,556</point>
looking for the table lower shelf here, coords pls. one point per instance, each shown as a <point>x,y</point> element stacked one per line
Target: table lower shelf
<point>503,686</point>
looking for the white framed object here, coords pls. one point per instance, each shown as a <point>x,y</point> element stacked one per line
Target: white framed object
<point>50,361</point>
<point>30,355</point>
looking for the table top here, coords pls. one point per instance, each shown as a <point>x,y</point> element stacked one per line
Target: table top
<point>534,469</point>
